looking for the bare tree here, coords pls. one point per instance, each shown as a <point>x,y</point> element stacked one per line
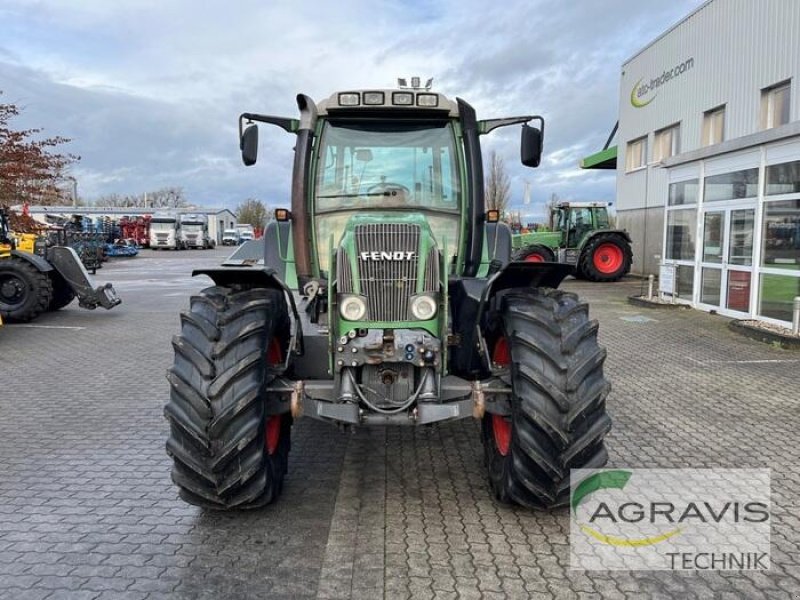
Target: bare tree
<point>167,197</point>
<point>253,212</point>
<point>498,184</point>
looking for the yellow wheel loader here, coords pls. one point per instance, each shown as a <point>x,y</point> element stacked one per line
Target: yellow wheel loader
<point>35,278</point>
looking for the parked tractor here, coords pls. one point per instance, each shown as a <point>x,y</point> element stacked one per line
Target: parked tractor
<point>35,277</point>
<point>385,295</point>
<point>581,237</point>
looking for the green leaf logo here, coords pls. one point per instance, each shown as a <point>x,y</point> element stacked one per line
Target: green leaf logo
<point>635,101</point>
<point>615,480</point>
<point>598,481</point>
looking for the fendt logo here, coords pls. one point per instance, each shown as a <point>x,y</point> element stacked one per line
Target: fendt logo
<point>397,255</point>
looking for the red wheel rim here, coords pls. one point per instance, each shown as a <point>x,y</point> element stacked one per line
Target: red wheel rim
<point>501,429</point>
<point>501,354</point>
<point>272,430</point>
<point>534,257</point>
<point>273,433</point>
<point>274,353</point>
<point>501,426</point>
<point>608,258</point>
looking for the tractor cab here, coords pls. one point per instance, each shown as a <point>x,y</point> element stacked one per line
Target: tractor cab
<point>577,219</point>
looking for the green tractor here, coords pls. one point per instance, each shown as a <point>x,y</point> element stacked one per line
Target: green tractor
<point>385,295</point>
<point>582,238</point>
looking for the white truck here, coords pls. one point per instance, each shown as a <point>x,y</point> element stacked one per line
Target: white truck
<point>246,233</point>
<point>230,237</point>
<point>165,232</point>
<point>194,232</point>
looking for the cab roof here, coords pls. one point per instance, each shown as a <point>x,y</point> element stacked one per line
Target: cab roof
<point>583,205</point>
<point>407,100</point>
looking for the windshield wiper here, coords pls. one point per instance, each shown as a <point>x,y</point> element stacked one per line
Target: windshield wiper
<point>388,193</point>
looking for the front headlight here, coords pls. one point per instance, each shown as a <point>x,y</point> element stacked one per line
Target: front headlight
<point>352,308</point>
<point>423,308</point>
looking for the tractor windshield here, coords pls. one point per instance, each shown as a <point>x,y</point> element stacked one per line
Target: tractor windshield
<point>387,166</point>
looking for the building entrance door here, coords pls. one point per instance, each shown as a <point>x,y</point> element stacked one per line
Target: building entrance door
<point>726,261</point>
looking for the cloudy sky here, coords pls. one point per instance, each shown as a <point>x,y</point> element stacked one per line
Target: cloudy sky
<point>150,90</point>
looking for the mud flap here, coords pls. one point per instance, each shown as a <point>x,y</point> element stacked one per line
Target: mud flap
<point>470,300</point>
<point>67,263</point>
<point>264,277</point>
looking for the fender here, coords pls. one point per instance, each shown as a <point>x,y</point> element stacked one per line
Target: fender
<point>36,260</point>
<point>471,299</point>
<point>262,277</point>
<point>620,232</point>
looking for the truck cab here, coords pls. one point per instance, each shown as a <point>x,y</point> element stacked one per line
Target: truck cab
<point>230,237</point>
<point>165,232</point>
<point>194,231</point>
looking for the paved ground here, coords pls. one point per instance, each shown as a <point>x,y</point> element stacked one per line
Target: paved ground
<point>87,509</point>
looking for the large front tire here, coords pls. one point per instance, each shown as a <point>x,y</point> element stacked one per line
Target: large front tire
<point>25,292</point>
<point>546,347</point>
<point>62,292</point>
<point>536,253</point>
<point>229,450</point>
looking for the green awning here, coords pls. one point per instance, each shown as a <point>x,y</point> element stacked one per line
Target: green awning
<point>605,159</point>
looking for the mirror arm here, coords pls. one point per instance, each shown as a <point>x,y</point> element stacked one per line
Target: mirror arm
<point>285,123</point>
<point>488,125</point>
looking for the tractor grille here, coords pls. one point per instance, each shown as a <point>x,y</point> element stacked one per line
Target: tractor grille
<point>344,272</point>
<point>388,284</point>
<point>432,271</point>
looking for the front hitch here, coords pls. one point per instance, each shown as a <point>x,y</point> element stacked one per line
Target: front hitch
<point>67,263</point>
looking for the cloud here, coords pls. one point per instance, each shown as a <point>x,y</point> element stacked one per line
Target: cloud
<point>150,90</point>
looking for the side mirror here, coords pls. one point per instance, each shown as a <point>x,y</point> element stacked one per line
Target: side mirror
<point>531,146</point>
<point>248,144</point>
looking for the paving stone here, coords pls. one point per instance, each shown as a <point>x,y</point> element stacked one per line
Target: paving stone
<point>87,509</point>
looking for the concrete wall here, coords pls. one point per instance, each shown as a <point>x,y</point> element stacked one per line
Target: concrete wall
<point>646,228</point>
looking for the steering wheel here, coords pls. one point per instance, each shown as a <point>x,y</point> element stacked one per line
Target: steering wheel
<point>388,186</point>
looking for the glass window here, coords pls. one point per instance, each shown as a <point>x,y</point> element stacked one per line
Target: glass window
<point>776,296</point>
<point>636,155</point>
<point>710,286</point>
<point>683,192</point>
<point>681,226</point>
<point>731,186</point>
<point>740,251</point>
<point>667,142</point>
<point>367,166</point>
<point>580,223</point>
<point>685,283</point>
<point>372,165</point>
<point>713,223</point>
<point>783,179</point>
<point>601,218</point>
<point>713,126</point>
<point>775,105</point>
<point>782,235</point>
